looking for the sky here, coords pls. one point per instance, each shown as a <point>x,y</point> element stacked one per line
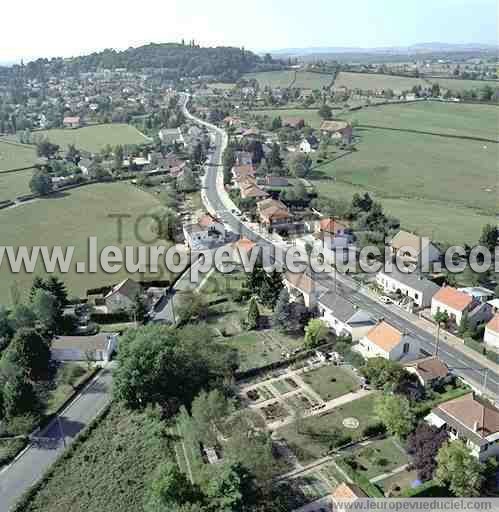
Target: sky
<point>32,28</point>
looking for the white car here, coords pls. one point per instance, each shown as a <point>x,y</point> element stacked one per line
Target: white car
<point>385,300</point>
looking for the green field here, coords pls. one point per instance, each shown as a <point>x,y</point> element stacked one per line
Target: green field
<point>312,439</point>
<point>288,78</point>
<point>16,156</point>
<point>330,382</point>
<point>311,117</point>
<point>432,116</point>
<point>70,220</point>
<point>94,138</point>
<point>373,82</point>
<point>109,471</point>
<point>13,184</point>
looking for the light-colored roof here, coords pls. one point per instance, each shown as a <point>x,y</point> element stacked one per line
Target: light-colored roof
<point>346,491</point>
<point>480,417</point>
<point>333,126</point>
<point>385,336</point>
<point>98,342</point>
<point>71,119</point>
<point>453,298</point>
<point>129,288</point>
<point>413,280</point>
<point>244,244</point>
<point>493,325</point>
<point>272,209</point>
<point>406,239</point>
<point>207,220</point>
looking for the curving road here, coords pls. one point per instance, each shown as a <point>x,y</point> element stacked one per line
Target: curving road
<point>462,364</point>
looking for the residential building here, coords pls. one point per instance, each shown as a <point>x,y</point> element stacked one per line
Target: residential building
<point>431,371</point>
<point>243,158</point>
<point>241,250</point>
<point>122,296</point>
<point>491,334</point>
<point>456,304</point>
<point>71,122</point>
<point>343,317</point>
<point>207,232</point>
<point>242,172</point>
<point>410,286</point>
<point>171,136</point>
<point>412,248</point>
<point>474,421</point>
<point>479,293</point>
<point>249,189</point>
<point>309,144</point>
<point>273,213</point>
<point>388,342</point>
<point>340,130</point>
<point>304,287</point>
<point>294,122</point>
<point>269,182</point>
<point>84,348</point>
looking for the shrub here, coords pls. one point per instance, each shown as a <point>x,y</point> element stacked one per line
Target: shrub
<point>374,429</point>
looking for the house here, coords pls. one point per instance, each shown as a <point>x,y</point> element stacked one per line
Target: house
<point>242,248</point>
<point>122,296</point>
<point>343,317</point>
<point>388,342</point>
<point>170,136</point>
<point>411,286</point>
<point>294,122</point>
<point>242,172</point>
<point>273,182</point>
<point>206,233</point>
<point>249,189</point>
<point>478,293</point>
<point>243,158</point>
<point>456,304</point>
<point>303,287</point>
<point>273,213</point>
<point>71,122</point>
<point>412,248</point>
<point>309,144</point>
<point>474,421</point>
<point>333,227</point>
<point>340,130</point>
<point>84,348</point>
<point>345,494</point>
<point>430,371</point>
<point>491,334</point>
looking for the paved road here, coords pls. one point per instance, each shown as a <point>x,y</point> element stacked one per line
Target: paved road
<point>19,476</point>
<point>460,363</point>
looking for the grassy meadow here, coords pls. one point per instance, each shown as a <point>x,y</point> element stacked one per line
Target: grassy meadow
<point>69,220</point>
<point>94,138</point>
<point>291,78</point>
<point>13,184</point>
<point>457,119</point>
<point>16,156</point>
<point>370,81</point>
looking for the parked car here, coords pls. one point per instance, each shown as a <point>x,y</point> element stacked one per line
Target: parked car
<point>385,300</point>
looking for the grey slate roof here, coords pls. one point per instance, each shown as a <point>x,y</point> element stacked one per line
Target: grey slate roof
<point>414,280</point>
<point>344,310</point>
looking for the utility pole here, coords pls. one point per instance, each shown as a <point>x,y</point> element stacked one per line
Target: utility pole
<point>438,339</point>
<point>59,423</point>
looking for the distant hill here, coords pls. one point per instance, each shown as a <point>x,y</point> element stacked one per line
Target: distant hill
<point>173,59</point>
<point>390,50</point>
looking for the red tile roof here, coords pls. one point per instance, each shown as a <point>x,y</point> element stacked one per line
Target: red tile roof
<point>385,336</point>
<point>453,298</point>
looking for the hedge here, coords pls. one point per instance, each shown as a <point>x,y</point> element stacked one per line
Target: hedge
<point>372,490</point>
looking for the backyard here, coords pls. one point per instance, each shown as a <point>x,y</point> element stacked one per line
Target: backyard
<point>331,381</point>
<point>312,438</point>
<point>69,219</point>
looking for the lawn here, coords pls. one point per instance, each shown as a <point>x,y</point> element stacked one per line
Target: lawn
<point>69,220</point>
<point>109,471</point>
<point>378,458</point>
<point>309,80</point>
<point>94,138</point>
<point>9,448</point>
<point>14,184</point>
<point>432,116</point>
<point>459,85</point>
<point>312,438</point>
<point>311,117</point>
<point>399,482</point>
<point>330,381</point>
<point>372,82</point>
<point>16,156</point>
